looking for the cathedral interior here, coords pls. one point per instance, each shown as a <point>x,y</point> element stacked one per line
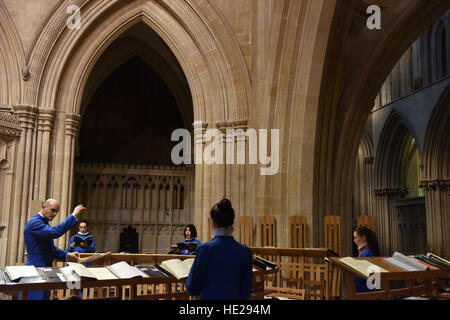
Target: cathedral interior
<point>87,114</point>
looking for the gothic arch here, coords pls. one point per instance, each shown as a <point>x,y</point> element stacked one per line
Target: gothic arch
<point>11,60</point>
<point>436,177</point>
<point>390,156</point>
<point>62,60</point>
<point>347,94</point>
<point>436,48</point>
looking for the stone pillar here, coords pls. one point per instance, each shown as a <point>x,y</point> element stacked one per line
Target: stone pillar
<point>202,183</point>
<point>46,119</point>
<point>23,181</point>
<point>240,171</point>
<point>71,128</point>
<point>219,179</point>
<point>437,193</point>
<point>386,217</point>
<point>10,132</point>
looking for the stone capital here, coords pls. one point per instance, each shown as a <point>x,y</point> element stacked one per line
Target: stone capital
<point>435,184</point>
<point>46,119</point>
<point>71,123</point>
<point>27,115</point>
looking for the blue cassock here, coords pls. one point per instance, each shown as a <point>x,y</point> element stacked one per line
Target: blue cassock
<point>186,251</point>
<point>88,249</point>
<point>41,250</point>
<point>360,283</point>
<point>222,270</point>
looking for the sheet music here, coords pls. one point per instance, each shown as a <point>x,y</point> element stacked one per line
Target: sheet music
<point>17,272</point>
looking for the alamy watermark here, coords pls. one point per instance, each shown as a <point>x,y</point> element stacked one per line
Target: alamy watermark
<point>374,280</point>
<point>74,20</point>
<point>215,147</point>
<point>374,21</point>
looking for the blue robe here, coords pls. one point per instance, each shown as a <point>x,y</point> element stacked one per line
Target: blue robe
<point>41,250</point>
<point>222,270</point>
<point>88,249</point>
<point>186,251</point>
<point>360,283</point>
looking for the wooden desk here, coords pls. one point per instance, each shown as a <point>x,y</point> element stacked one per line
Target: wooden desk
<point>152,288</point>
<point>394,273</point>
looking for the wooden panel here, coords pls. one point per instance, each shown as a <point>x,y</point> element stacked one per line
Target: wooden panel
<point>367,221</point>
<point>333,241</point>
<point>246,230</point>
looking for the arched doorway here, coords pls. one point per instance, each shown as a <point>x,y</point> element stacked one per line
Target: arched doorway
<point>135,97</point>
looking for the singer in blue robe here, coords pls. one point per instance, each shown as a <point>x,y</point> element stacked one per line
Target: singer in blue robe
<point>190,234</point>
<point>83,233</point>
<point>222,269</point>
<point>39,235</point>
<point>367,244</point>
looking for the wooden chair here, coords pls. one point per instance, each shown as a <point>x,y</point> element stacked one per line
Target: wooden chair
<point>333,241</point>
<point>246,230</point>
<point>315,281</point>
<point>367,221</point>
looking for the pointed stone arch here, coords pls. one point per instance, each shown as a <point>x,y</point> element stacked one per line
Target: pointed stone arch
<point>12,61</point>
<point>436,177</point>
<point>61,61</point>
<point>348,93</point>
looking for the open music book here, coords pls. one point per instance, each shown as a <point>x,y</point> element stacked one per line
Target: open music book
<point>406,263</point>
<point>120,270</point>
<point>17,272</point>
<point>363,266</point>
<point>22,274</point>
<point>180,269</point>
<point>78,240</point>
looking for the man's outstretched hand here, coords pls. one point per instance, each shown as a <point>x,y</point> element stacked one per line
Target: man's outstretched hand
<point>73,257</point>
<point>78,210</point>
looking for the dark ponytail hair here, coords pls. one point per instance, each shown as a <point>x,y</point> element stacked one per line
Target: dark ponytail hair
<point>371,239</point>
<point>222,213</point>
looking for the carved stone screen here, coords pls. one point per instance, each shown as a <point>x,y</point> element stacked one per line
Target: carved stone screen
<point>157,201</point>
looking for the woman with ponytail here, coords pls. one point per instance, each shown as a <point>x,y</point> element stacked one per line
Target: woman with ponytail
<point>222,269</point>
<point>366,241</point>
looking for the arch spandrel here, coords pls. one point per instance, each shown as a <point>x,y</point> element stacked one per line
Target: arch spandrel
<point>62,60</point>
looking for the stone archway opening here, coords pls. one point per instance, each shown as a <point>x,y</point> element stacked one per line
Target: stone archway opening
<point>135,97</point>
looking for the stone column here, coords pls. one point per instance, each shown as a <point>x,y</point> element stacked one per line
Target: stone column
<point>239,171</point>
<point>66,159</point>
<point>202,182</point>
<point>437,193</point>
<point>23,181</point>
<point>46,119</point>
<point>386,217</point>
<point>10,132</point>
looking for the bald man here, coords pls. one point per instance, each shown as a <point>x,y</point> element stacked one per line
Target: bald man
<point>39,235</point>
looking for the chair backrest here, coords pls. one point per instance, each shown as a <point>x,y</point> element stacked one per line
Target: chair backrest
<point>268,229</point>
<point>297,231</point>
<point>367,221</point>
<point>333,241</point>
<point>246,230</point>
<point>333,233</point>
